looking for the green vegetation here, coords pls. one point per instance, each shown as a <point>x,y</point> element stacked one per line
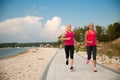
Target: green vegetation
<point>4,45</point>
<point>108,48</point>
<point>105,36</point>
<point>80,47</point>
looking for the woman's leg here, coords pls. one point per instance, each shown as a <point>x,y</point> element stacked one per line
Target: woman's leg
<point>67,54</point>
<point>71,55</point>
<point>94,57</point>
<point>88,48</point>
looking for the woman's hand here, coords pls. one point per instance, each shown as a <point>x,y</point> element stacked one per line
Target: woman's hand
<point>90,42</point>
<point>66,38</point>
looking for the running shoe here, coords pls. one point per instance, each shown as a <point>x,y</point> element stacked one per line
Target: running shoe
<point>71,68</point>
<point>87,61</point>
<point>95,70</point>
<point>67,62</point>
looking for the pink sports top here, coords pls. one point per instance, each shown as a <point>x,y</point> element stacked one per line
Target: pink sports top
<point>91,37</point>
<point>71,41</point>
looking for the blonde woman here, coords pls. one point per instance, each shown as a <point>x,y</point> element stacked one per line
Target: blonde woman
<point>68,38</point>
<point>90,40</point>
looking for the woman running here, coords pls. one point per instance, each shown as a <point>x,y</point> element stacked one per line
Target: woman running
<point>68,38</point>
<point>90,40</point>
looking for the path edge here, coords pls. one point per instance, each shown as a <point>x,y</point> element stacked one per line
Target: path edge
<point>102,65</point>
<point>44,74</point>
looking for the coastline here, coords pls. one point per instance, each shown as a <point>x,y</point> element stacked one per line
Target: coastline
<point>14,55</point>
<point>5,48</point>
<point>28,65</point>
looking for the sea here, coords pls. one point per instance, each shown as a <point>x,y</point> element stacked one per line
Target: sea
<point>6,52</point>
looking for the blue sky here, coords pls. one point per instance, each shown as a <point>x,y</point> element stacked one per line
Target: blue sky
<point>75,12</point>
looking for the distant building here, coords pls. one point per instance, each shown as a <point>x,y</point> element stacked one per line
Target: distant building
<point>47,45</point>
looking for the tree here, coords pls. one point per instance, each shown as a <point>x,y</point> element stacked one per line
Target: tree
<point>77,34</point>
<point>59,41</point>
<point>80,32</point>
<point>103,34</point>
<point>100,33</point>
<point>113,31</point>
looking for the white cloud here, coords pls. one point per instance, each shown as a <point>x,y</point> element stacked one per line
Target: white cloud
<point>53,28</point>
<point>30,29</point>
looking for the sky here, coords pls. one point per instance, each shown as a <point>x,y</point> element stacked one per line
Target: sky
<point>44,20</point>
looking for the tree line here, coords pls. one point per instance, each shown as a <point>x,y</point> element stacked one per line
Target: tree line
<point>104,34</point>
<point>35,44</point>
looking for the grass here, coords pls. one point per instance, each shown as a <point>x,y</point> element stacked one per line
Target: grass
<point>109,49</point>
<point>80,47</point>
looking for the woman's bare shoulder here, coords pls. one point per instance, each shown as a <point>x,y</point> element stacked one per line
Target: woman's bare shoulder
<point>86,32</point>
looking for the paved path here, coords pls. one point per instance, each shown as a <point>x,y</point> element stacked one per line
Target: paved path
<point>59,71</point>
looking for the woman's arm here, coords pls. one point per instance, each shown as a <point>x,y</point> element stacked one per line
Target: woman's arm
<point>86,38</point>
<point>63,37</point>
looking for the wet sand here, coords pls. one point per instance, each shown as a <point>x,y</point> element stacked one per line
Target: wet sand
<point>28,65</point>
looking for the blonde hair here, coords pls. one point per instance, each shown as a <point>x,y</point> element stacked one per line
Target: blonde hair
<point>91,24</point>
<point>68,25</point>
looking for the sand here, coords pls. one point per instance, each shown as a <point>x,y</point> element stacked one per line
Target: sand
<point>29,65</point>
<point>112,63</point>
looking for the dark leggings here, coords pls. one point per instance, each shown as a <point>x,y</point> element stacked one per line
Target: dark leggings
<point>89,50</point>
<point>69,50</point>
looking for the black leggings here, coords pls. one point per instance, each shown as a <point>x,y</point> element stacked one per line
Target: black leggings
<point>69,49</point>
<point>93,50</point>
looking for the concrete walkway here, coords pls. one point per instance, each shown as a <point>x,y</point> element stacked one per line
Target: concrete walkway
<point>58,70</point>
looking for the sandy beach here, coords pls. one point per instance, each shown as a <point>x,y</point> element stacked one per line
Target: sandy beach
<point>29,65</point>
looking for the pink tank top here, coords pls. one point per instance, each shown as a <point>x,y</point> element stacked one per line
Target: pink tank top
<point>91,37</point>
<point>71,41</point>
